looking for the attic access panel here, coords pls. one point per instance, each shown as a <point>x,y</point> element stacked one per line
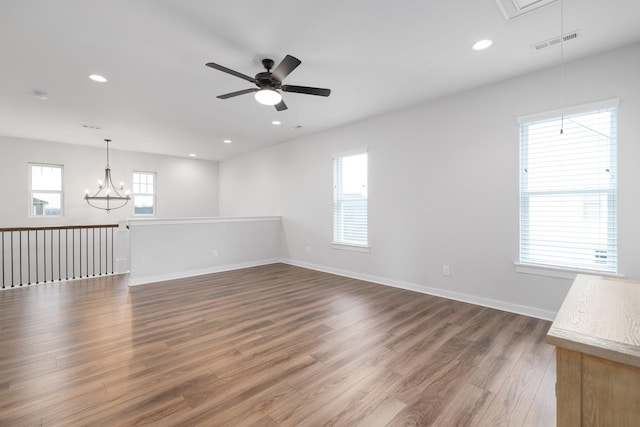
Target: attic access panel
<point>514,8</point>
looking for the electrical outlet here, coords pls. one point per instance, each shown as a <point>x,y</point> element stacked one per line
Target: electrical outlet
<point>215,252</point>
<point>308,249</point>
<point>446,270</point>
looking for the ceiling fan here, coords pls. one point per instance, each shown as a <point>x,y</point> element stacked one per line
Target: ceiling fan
<point>269,84</point>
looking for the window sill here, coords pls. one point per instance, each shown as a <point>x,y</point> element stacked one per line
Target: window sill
<point>351,247</point>
<point>558,272</point>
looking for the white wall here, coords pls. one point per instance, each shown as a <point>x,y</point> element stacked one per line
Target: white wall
<point>176,248</point>
<point>185,187</point>
<point>443,187</point>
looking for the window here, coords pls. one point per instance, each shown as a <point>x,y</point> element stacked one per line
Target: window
<point>568,202</point>
<point>45,182</point>
<point>350,199</point>
<point>144,193</point>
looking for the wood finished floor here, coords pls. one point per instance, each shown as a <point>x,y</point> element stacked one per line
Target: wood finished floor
<point>268,346</point>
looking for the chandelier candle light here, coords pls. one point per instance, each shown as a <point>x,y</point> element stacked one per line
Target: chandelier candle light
<point>107,197</point>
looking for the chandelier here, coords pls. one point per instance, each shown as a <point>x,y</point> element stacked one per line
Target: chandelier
<point>107,197</point>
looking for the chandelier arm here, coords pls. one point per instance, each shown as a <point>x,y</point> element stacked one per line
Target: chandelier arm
<point>87,197</point>
<point>108,207</point>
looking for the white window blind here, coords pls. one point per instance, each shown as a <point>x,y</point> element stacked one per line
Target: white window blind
<point>350,207</point>
<point>144,193</point>
<point>568,200</point>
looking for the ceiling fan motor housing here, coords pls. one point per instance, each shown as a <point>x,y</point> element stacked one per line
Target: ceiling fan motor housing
<point>264,79</point>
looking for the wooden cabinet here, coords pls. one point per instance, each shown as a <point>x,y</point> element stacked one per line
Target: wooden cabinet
<point>597,339</point>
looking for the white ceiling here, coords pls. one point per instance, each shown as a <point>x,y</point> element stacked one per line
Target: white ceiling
<point>376,56</point>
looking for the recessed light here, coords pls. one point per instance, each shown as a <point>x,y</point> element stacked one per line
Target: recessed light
<point>482,44</point>
<point>98,78</point>
<point>227,141</point>
<point>276,122</point>
<point>192,155</point>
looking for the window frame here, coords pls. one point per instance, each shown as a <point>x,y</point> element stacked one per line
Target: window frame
<point>30,167</point>
<point>527,265</point>
<point>134,194</point>
<point>349,245</point>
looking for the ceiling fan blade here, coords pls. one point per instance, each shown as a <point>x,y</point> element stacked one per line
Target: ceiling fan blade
<point>288,64</point>
<point>281,106</point>
<point>306,90</point>
<point>239,92</point>
<point>230,71</point>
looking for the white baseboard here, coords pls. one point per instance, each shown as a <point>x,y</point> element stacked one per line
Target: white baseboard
<point>199,272</point>
<point>472,299</point>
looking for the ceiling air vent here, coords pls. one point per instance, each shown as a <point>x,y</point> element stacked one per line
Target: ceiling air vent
<point>556,40</point>
<point>514,8</point>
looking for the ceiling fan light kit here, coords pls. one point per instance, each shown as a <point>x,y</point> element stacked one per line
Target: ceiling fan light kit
<point>268,96</point>
<point>269,84</point>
